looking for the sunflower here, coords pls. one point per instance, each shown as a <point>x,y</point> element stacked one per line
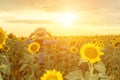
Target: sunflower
<point>99,44</point>
<point>11,36</point>
<point>2,37</point>
<point>53,47</point>
<point>33,47</point>
<point>5,48</point>
<point>73,42</point>
<point>91,53</point>
<point>22,39</point>
<point>52,75</point>
<point>94,40</point>
<point>116,44</point>
<point>73,49</point>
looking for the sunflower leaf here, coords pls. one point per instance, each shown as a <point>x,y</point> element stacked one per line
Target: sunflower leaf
<point>100,67</point>
<point>4,59</point>
<point>5,69</point>
<point>1,78</point>
<point>88,76</point>
<point>81,61</point>
<point>75,75</point>
<point>23,67</point>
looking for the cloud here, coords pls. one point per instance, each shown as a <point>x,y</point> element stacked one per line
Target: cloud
<point>30,21</point>
<point>97,12</point>
<point>58,5</point>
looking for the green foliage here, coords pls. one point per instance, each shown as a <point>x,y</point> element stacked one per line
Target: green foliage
<point>88,75</point>
<point>112,62</point>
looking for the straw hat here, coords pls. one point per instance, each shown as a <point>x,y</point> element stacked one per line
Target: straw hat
<point>41,32</point>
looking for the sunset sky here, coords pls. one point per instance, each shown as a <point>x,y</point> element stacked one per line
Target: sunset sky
<point>61,17</point>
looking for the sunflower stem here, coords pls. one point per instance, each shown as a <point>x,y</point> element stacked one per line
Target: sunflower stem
<point>91,68</point>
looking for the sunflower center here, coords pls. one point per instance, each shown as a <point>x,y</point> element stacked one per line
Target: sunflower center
<point>74,49</point>
<point>52,77</point>
<point>6,48</point>
<point>10,36</point>
<point>73,42</point>
<point>91,52</point>
<point>34,47</point>
<point>117,44</point>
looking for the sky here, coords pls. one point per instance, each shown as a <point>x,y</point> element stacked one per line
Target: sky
<point>87,17</point>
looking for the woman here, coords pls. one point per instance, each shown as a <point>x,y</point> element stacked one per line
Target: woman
<point>39,36</point>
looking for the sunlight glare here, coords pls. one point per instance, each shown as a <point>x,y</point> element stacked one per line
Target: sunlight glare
<point>67,19</point>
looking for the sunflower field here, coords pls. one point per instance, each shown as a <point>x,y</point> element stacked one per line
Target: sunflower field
<point>59,57</point>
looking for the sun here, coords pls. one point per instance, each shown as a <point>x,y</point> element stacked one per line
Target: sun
<point>67,19</point>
